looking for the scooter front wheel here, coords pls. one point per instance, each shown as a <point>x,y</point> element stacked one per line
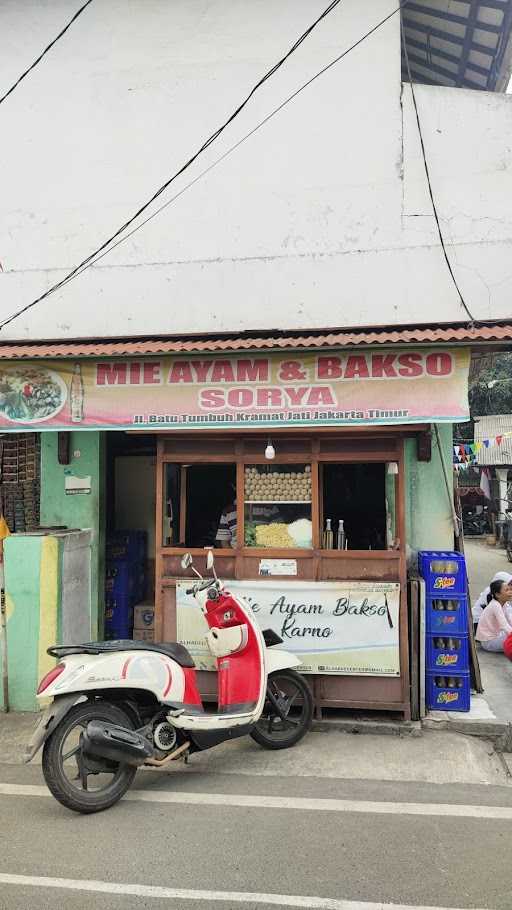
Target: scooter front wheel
<point>77,782</point>
<point>287,713</point>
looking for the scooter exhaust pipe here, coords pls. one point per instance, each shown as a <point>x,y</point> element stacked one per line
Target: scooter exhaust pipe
<point>102,740</point>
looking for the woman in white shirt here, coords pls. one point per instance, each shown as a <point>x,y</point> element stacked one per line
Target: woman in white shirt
<point>494,625</point>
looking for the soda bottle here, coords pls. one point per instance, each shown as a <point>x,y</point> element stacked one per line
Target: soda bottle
<point>76,397</point>
<point>459,682</point>
<point>441,684</point>
<point>451,683</point>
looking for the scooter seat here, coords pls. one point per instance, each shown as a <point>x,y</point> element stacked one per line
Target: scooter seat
<point>171,649</point>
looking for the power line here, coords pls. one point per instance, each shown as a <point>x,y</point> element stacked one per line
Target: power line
<point>427,172</point>
<point>102,250</point>
<point>34,64</point>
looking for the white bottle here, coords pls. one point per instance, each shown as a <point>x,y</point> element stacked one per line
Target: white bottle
<point>77,395</point>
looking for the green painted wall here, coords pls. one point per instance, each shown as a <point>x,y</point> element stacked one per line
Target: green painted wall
<point>428,511</point>
<point>79,510</point>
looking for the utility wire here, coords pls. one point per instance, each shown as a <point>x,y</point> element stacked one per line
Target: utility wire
<point>102,251</point>
<point>34,64</point>
<point>431,192</point>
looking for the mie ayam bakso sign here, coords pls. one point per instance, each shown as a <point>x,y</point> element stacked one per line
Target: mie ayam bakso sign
<point>334,627</point>
<point>338,388</point>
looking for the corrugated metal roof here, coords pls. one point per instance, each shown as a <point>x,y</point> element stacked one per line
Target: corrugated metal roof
<point>478,334</point>
<point>459,42</point>
<point>488,428</point>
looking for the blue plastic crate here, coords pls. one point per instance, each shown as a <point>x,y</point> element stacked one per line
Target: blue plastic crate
<point>446,615</point>
<point>118,618</point>
<point>127,545</point>
<point>448,691</point>
<point>444,571</point>
<point>447,654</point>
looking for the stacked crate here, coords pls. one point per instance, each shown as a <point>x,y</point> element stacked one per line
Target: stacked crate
<point>447,647</point>
<point>124,581</point>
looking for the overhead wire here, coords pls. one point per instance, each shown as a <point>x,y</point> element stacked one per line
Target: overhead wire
<point>109,245</point>
<point>43,54</point>
<point>429,182</point>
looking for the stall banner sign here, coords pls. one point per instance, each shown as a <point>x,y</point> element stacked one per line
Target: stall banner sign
<point>201,391</point>
<point>345,628</point>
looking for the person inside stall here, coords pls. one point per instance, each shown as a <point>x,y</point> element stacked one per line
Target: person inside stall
<point>226,532</point>
<point>494,625</point>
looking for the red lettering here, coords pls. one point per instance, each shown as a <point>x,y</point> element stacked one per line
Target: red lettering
<point>410,365</point>
<point>438,364</point>
<point>329,368</point>
<point>211,398</point>
<point>268,398</point>
<point>180,372</point>
<point>357,367</point>
<point>240,398</point>
<point>152,373</point>
<point>111,373</point>
<point>223,371</point>
<point>252,371</point>
<point>291,370</point>
<point>134,373</point>
<point>321,395</point>
<point>296,396</point>
<point>383,365</point>
<point>201,369</point>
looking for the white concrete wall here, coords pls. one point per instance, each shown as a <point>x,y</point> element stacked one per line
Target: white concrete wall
<point>319,220</point>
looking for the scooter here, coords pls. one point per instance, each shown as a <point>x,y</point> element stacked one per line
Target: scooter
<point>118,705</point>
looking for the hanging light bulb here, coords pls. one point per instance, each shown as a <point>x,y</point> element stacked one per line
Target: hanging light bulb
<point>392,467</point>
<point>270,452</point>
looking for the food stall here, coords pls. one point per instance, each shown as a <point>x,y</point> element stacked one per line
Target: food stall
<point>318,549</point>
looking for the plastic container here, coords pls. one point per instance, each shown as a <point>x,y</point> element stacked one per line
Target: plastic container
<point>448,691</point>
<point>444,571</point>
<point>126,545</point>
<point>447,654</point>
<point>118,618</point>
<point>446,615</point>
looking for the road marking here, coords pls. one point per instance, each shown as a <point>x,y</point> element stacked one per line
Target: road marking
<point>188,894</point>
<point>242,801</point>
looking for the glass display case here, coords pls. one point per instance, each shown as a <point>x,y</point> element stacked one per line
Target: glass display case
<point>277,507</point>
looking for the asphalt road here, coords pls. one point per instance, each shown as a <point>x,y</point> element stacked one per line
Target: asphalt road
<point>191,841</point>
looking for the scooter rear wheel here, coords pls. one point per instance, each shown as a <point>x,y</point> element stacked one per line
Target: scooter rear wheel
<point>67,776</point>
<point>287,713</point>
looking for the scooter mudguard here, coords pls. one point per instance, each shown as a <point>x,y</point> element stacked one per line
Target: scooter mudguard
<point>49,720</point>
<point>276,659</point>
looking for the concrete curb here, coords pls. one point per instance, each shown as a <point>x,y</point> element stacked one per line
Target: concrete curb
<point>498,732</point>
<point>365,726</point>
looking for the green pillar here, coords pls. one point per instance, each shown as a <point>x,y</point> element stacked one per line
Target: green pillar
<point>79,510</point>
<point>428,508</point>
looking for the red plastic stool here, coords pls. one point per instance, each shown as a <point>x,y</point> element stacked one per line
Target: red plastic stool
<point>507,646</point>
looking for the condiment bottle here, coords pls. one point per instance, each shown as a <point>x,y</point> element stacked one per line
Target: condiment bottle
<point>340,541</point>
<point>328,535</point>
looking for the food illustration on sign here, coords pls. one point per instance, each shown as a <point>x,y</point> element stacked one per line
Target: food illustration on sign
<point>30,394</point>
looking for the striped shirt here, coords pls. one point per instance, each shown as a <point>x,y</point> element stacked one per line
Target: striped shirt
<point>226,533</point>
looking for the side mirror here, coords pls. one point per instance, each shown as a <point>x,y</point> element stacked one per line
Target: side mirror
<point>210,559</point>
<point>186,561</point>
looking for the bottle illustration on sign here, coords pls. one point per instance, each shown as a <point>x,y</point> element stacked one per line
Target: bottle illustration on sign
<point>76,397</point>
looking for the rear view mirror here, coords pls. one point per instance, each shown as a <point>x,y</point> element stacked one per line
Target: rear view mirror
<point>186,561</point>
<point>210,559</point>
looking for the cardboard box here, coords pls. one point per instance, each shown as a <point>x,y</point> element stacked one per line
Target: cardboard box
<point>144,616</point>
<point>143,635</point>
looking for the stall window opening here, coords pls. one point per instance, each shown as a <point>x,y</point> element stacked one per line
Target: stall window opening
<point>199,505</point>
<point>277,507</point>
<point>355,506</point>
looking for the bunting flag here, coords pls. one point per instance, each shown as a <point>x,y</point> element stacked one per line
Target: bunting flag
<point>465,453</point>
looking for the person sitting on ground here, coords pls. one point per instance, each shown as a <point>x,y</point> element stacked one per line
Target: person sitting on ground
<point>494,625</point>
<point>481,602</point>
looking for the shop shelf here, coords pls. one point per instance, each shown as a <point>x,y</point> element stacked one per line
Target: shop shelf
<point>448,691</point>
<point>271,502</point>
<point>443,571</point>
<point>447,653</point>
<point>446,615</point>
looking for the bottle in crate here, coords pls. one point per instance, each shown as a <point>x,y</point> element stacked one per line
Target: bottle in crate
<point>447,653</point>
<point>443,571</point>
<point>447,615</point>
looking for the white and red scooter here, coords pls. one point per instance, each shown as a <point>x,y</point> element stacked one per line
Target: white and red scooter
<point>121,704</point>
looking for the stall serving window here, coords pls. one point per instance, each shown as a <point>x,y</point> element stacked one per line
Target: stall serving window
<point>249,504</point>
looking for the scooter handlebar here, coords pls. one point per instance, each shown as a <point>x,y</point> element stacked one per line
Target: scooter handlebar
<point>207,583</point>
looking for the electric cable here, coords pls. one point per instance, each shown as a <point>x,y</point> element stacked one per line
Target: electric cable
<point>102,250</point>
<point>430,190</point>
<point>52,43</point>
